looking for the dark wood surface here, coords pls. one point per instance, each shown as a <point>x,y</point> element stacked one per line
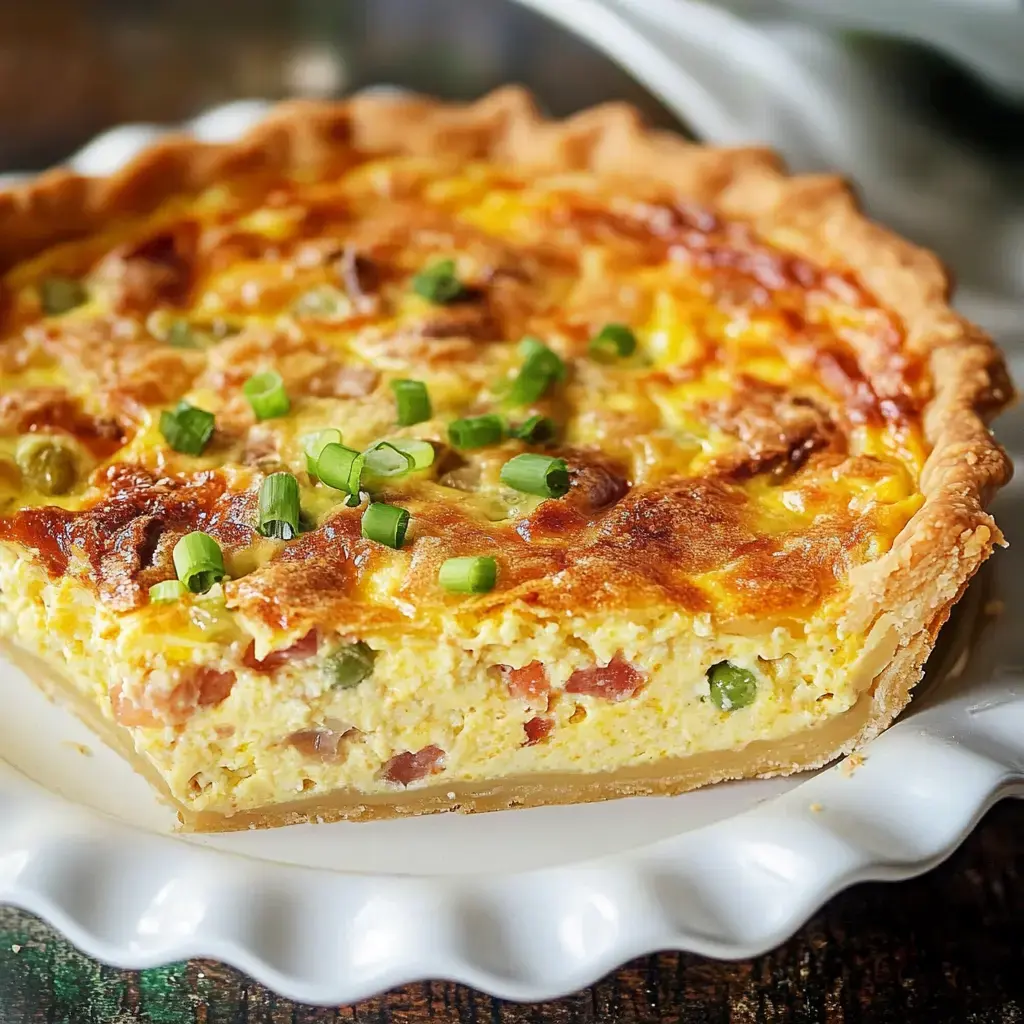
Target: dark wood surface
<point>947,947</point>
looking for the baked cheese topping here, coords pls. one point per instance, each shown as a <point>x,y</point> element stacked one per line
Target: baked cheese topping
<point>432,467</point>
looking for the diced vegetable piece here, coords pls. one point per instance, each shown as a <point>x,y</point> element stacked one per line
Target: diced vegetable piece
<point>279,506</point>
<point>198,561</point>
<point>47,464</point>
<point>350,665</point>
<point>470,575</point>
<point>187,428</point>
<point>536,474</point>
<point>439,283</point>
<point>386,524</point>
<point>732,687</point>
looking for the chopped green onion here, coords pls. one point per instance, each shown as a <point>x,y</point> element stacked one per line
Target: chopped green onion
<point>438,283</point>
<point>279,506</point>
<point>385,459</point>
<point>421,452</point>
<point>413,402</point>
<point>314,444</point>
<point>536,474</point>
<point>167,592</point>
<point>186,428</point>
<point>353,501</point>
<point>350,665</point>
<point>732,687</point>
<point>613,341</point>
<point>181,334</point>
<point>386,524</point>
<point>476,431</point>
<point>340,467</point>
<point>266,395</point>
<point>535,430</point>
<point>59,294</point>
<point>541,368</point>
<point>468,575</point>
<point>198,561</point>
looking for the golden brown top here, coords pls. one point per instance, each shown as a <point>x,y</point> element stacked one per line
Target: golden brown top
<point>763,439</point>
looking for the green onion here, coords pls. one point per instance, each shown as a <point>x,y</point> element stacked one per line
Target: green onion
<point>468,575</point>
<point>421,452</point>
<point>732,687</point>
<point>314,444</point>
<point>353,501</point>
<point>266,395</point>
<point>536,430</point>
<point>180,334</point>
<point>279,506</point>
<point>59,294</point>
<point>438,283</point>
<point>187,429</point>
<point>538,356</point>
<point>536,474</point>
<point>198,561</point>
<point>167,592</point>
<point>385,459</point>
<point>613,341</point>
<point>413,402</point>
<point>476,431</point>
<point>340,467</point>
<point>386,524</point>
<point>541,368</point>
<point>350,665</point>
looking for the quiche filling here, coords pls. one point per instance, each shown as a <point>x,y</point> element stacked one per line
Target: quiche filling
<point>427,474</point>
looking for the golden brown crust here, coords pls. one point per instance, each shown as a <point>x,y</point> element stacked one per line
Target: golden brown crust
<point>906,592</point>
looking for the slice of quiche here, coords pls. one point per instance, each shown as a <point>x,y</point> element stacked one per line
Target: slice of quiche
<point>406,457</point>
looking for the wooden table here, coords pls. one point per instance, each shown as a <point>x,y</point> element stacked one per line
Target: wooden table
<point>948,947</point>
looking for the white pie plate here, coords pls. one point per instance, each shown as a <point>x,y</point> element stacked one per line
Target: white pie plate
<point>526,904</point>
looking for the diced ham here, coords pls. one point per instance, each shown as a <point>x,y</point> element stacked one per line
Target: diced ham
<point>537,729</point>
<point>326,744</point>
<point>407,767</point>
<point>210,686</point>
<point>157,270</point>
<point>361,277</point>
<point>127,712</point>
<point>597,480</point>
<point>261,447</point>
<point>202,687</point>
<point>335,381</point>
<point>529,683</point>
<point>305,647</point>
<point>618,680</point>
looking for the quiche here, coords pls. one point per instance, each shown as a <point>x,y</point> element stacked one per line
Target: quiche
<point>406,457</point>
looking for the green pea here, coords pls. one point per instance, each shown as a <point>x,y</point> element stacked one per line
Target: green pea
<point>181,334</point>
<point>59,295</point>
<point>732,687</point>
<point>47,464</point>
<point>350,665</point>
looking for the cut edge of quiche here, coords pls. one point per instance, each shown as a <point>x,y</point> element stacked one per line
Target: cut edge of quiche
<point>879,624</point>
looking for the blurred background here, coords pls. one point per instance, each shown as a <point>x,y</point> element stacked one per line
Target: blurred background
<point>71,68</point>
<point>921,102</point>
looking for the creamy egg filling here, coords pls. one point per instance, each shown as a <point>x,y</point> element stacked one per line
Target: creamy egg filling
<point>295,732</point>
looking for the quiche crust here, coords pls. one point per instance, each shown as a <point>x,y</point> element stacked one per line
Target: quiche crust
<point>897,602</point>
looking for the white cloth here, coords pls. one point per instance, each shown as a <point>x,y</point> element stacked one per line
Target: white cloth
<point>773,77</point>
